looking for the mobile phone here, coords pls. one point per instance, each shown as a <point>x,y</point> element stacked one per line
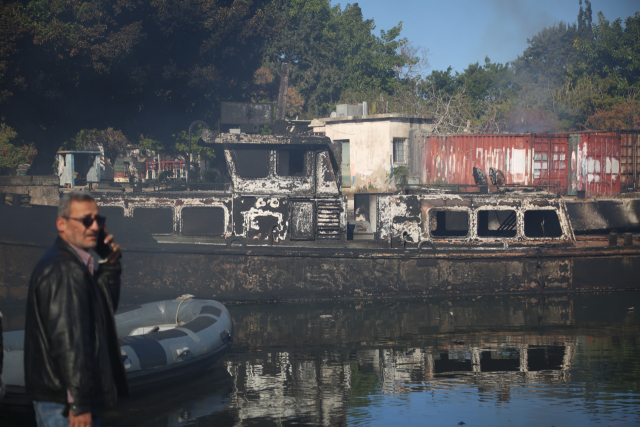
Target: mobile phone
<point>103,249</point>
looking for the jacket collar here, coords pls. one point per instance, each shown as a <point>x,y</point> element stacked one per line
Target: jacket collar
<point>65,247</point>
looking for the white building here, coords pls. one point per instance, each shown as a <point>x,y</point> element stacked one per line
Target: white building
<point>373,144</point>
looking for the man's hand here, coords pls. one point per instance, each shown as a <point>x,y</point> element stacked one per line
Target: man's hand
<point>116,254</point>
<point>82,420</point>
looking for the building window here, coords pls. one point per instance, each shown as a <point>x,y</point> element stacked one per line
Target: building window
<point>399,151</point>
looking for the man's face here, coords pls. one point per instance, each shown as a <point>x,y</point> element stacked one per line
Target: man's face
<point>73,231</point>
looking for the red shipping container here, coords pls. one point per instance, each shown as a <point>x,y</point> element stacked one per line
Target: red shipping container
<point>550,165</point>
<point>629,159</point>
<point>562,162</point>
<point>595,163</point>
<point>450,159</point>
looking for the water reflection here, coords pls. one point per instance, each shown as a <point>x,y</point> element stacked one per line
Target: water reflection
<point>368,363</point>
<point>175,404</point>
<point>555,360</point>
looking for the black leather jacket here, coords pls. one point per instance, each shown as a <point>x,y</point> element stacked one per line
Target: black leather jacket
<point>70,335</point>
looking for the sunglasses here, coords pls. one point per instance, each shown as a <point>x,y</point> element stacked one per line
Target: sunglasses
<point>87,221</point>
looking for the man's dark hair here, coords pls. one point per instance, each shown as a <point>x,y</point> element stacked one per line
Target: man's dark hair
<point>64,208</point>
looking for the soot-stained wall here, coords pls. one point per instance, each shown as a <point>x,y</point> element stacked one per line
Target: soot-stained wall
<point>492,218</point>
<point>273,184</point>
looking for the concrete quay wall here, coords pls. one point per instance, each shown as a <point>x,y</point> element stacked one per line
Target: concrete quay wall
<point>43,190</point>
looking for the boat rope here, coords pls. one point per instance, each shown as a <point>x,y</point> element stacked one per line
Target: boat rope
<point>183,298</point>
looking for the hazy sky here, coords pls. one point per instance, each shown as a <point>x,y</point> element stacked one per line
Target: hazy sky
<point>460,32</point>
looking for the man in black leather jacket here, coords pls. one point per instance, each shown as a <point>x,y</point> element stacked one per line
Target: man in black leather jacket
<point>72,359</point>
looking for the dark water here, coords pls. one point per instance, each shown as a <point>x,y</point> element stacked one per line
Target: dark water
<point>562,360</point>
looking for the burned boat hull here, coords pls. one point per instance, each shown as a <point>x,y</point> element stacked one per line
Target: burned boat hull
<point>281,274</point>
<point>277,229</point>
<point>212,269</point>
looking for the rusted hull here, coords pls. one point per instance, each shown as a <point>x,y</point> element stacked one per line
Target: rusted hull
<point>278,274</point>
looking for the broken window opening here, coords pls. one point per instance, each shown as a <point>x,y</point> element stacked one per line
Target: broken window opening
<point>200,221</point>
<point>399,151</point>
<point>542,223</point>
<point>443,223</point>
<point>159,220</point>
<point>252,163</point>
<point>291,162</point>
<point>497,223</point>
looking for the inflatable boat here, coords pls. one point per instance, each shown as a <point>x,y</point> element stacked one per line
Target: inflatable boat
<point>159,341</point>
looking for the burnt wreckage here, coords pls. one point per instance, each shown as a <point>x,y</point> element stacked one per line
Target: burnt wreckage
<point>282,191</point>
<point>275,228</point>
<point>274,189</point>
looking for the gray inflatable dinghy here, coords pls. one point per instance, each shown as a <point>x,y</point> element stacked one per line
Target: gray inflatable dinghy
<point>159,341</point>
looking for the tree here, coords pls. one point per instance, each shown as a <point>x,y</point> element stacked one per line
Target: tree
<point>12,156</point>
<point>625,115</point>
<point>613,53</point>
<point>112,141</point>
<point>399,176</point>
<point>146,67</point>
<point>330,51</point>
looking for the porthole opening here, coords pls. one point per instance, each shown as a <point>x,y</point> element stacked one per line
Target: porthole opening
<point>291,163</point>
<point>444,224</point>
<point>252,163</point>
<point>542,223</point>
<point>497,223</point>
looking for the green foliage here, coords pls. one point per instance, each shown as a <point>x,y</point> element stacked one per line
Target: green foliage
<point>363,385</point>
<point>144,67</point>
<point>12,156</point>
<point>181,145</point>
<point>163,176</point>
<point>399,175</point>
<point>141,71</point>
<point>147,143</point>
<point>112,141</point>
<point>613,52</point>
<point>570,77</point>
<point>209,175</point>
<point>331,50</point>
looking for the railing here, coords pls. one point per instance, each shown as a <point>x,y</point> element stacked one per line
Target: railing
<point>193,186</point>
<point>476,188</point>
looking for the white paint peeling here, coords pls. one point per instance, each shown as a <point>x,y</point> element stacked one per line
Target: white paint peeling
<point>615,166</point>
<point>393,209</point>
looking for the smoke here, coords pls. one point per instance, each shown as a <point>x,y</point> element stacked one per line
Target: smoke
<point>524,121</point>
<point>514,21</point>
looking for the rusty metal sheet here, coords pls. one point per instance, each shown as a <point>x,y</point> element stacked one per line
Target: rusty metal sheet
<point>450,159</point>
<point>566,163</point>
<point>551,162</point>
<point>597,160</point>
<point>629,159</point>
